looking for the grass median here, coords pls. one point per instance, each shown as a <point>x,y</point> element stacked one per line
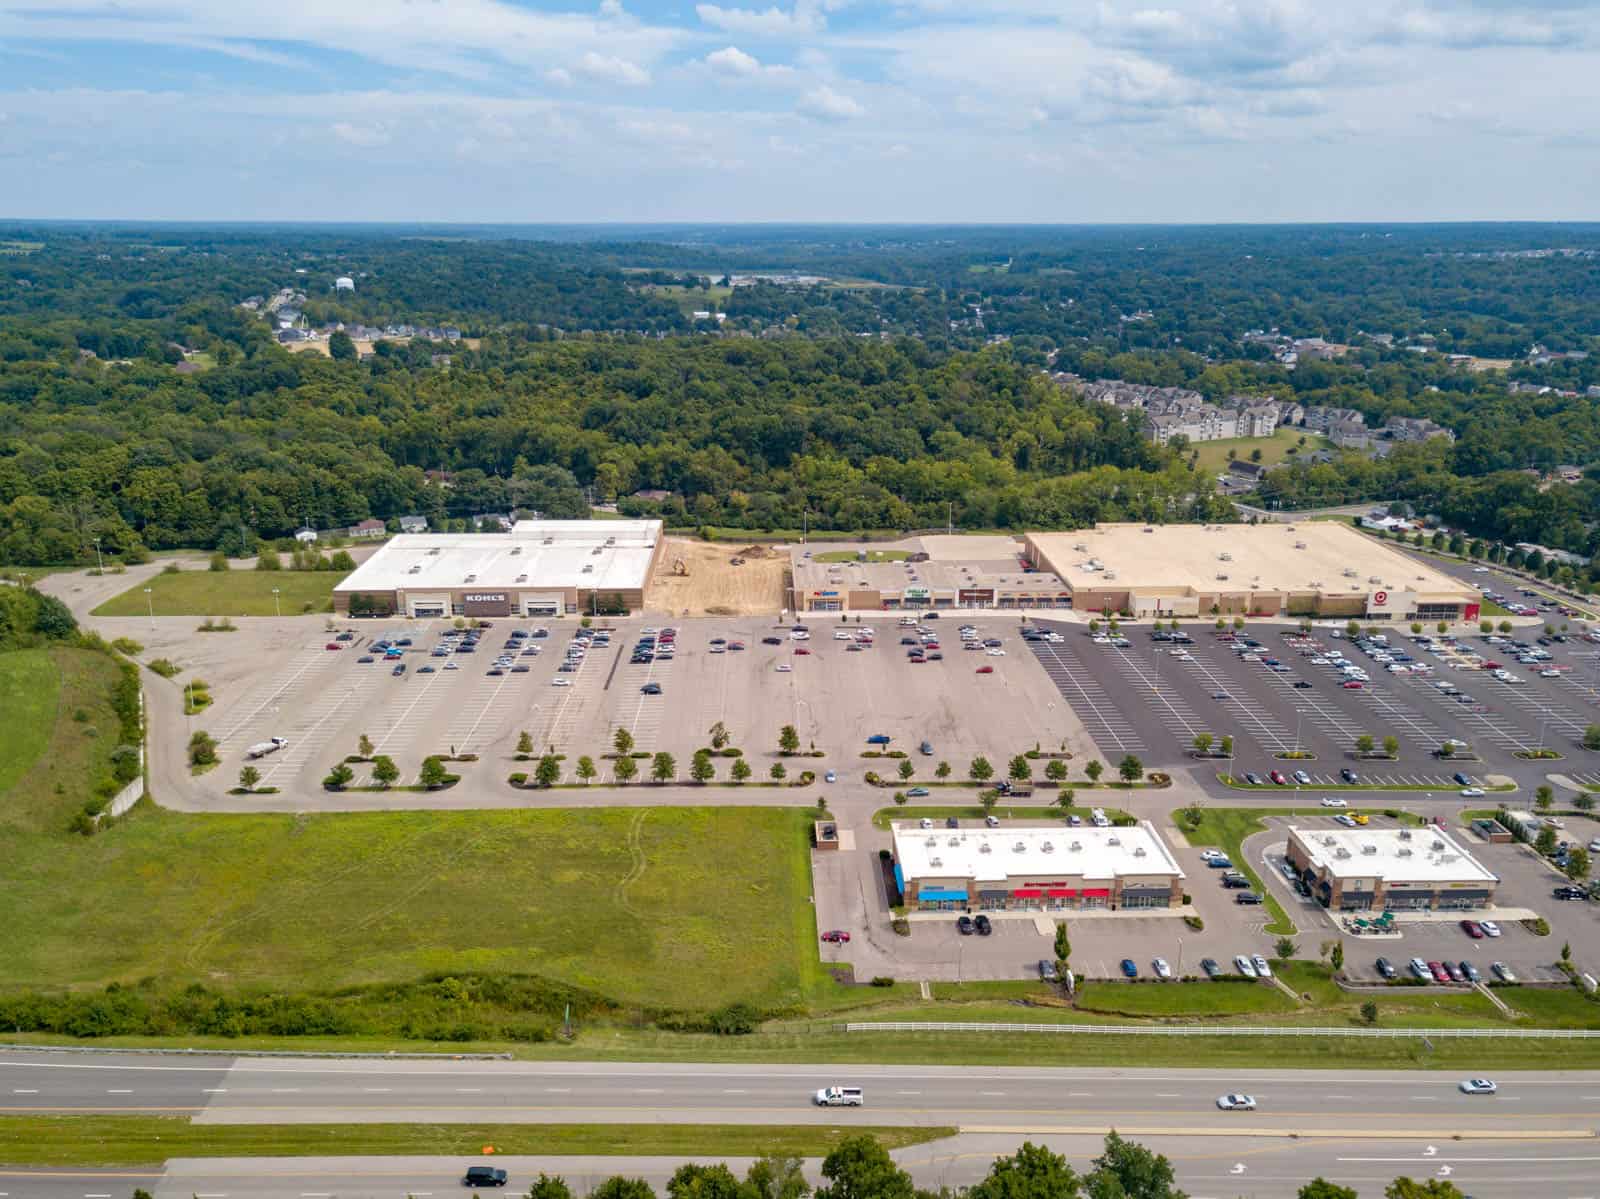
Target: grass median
<point>102,1141</point>
<point>1226,829</point>
<point>227,593</point>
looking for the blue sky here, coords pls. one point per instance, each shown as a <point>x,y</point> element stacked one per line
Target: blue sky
<point>800,110</point>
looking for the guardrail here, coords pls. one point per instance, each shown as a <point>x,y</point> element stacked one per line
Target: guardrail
<point>1191,1030</point>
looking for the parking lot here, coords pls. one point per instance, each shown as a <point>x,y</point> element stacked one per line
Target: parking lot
<point>750,674</point>
<point>1272,692</point>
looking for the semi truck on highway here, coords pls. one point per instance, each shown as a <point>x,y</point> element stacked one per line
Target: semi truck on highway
<point>262,748</point>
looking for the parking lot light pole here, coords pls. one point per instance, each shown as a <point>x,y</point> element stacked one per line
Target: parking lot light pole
<point>99,562</point>
<point>150,600</point>
<point>276,610</point>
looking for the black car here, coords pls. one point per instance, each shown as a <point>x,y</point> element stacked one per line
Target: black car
<point>495,670</point>
<point>951,822</point>
<point>1567,891</point>
<point>1209,965</point>
<point>1462,779</point>
<point>1233,882</point>
<point>366,658</point>
<point>345,636</point>
<point>1247,897</point>
<point>983,925</point>
<point>1301,685</point>
<point>519,668</point>
<point>484,1176</point>
<point>1386,968</point>
<point>651,689</point>
<point>1348,775</point>
<point>964,925</point>
<point>399,670</point>
<point>772,641</point>
<point>1252,778</point>
<point>908,641</point>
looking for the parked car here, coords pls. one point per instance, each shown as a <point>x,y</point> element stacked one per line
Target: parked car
<point>830,777</point>
<point>836,936</point>
<point>1470,971</point>
<point>917,792</point>
<point>1280,778</point>
<point>1263,970</point>
<point>1473,929</point>
<point>1048,972</point>
<point>651,689</point>
<point>981,923</point>
<point>1130,968</point>
<point>1334,802</point>
<point>1161,968</point>
<point>1348,775</point>
<point>1247,897</point>
<point>1503,972</point>
<point>963,923</point>
<point>1386,968</point>
<point>1489,928</point>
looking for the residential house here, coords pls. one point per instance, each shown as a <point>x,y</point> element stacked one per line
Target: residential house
<point>1319,418</point>
<point>413,524</point>
<point>491,522</point>
<point>1349,434</point>
<point>655,495</point>
<point>1412,428</point>
<point>306,536</point>
<point>368,530</point>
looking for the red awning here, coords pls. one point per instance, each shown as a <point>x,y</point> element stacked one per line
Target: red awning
<point>1027,893</point>
<point>1106,894</point>
<point>1060,892</point>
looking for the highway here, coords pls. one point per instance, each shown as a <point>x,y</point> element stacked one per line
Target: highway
<point>1359,1127</point>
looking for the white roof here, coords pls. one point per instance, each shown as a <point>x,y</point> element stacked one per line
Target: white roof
<point>1428,855</point>
<point>588,554</point>
<point>996,854</point>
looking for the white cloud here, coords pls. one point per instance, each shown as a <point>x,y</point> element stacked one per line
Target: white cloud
<point>825,104</point>
<point>559,76</point>
<point>731,60</point>
<point>608,68</point>
<point>612,10</point>
<point>769,23</point>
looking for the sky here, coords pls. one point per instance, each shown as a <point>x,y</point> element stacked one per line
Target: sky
<point>800,110</point>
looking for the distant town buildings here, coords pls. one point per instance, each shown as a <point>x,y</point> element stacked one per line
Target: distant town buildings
<point>1177,411</point>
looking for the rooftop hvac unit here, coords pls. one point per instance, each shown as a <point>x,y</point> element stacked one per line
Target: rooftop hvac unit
<point>1020,847</point>
<point>1222,578</point>
<point>1349,572</point>
<point>1330,840</point>
<point>1405,834</point>
<point>522,578</point>
<point>1299,545</point>
<point>1403,852</point>
<point>936,861</point>
<point>1111,574</point>
<point>1113,840</point>
<point>1075,846</point>
<point>1225,556</point>
<point>1341,852</point>
<point>516,549</point>
<point>415,570</point>
<point>470,579</point>
<point>1148,529</point>
<point>588,568</point>
<point>1047,847</point>
<point>1081,548</point>
<point>954,841</point>
<point>1374,579</point>
<point>985,848</point>
<point>435,551</point>
<point>1437,845</point>
<point>1369,850</point>
<point>1139,852</point>
<point>611,541</point>
<point>932,841</point>
<point>597,550</point>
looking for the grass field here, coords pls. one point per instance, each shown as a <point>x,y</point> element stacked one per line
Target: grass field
<point>610,900</point>
<point>97,1141</point>
<point>1215,455</point>
<point>227,593</point>
<point>29,686</point>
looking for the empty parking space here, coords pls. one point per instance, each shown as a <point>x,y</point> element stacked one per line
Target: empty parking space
<point>243,722</point>
<point>1079,686</point>
<point>1143,680</point>
<point>312,728</point>
<point>1232,710</point>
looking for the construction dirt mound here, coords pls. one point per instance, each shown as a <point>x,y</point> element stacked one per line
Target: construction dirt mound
<point>755,551</point>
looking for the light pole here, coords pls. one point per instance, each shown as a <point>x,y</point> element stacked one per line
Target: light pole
<point>276,610</point>
<point>150,601</point>
<point>99,562</point>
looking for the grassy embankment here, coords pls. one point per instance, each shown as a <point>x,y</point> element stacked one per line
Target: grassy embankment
<point>99,1140</point>
<point>202,592</point>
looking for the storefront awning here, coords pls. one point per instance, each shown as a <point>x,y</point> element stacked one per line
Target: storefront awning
<point>1097,894</point>
<point>942,896</point>
<point>1060,892</point>
<point>1027,893</point>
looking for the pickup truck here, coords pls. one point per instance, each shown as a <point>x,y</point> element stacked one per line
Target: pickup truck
<point>262,748</point>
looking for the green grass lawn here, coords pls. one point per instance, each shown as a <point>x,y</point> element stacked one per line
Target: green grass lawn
<point>85,1141</point>
<point>872,556</point>
<point>29,687</point>
<point>1215,455</point>
<point>1183,1000</point>
<point>227,593</point>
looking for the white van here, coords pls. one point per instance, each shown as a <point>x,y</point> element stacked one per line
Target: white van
<point>839,1097</point>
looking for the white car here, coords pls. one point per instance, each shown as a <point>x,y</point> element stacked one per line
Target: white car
<point>1333,803</point>
<point>1243,966</point>
<point>783,668</point>
<point>1161,968</point>
<point>561,682</point>
<point>1260,963</point>
<point>1472,792</point>
<point>1503,972</point>
<point>1478,1086</point>
<point>1489,927</point>
<point>995,652</point>
<point>1236,1103</point>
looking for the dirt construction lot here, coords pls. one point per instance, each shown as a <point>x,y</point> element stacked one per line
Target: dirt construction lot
<point>714,586</point>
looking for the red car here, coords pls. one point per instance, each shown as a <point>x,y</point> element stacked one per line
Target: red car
<point>837,935</point>
<point>1440,974</point>
<point>333,645</point>
<point>1353,685</point>
<point>986,670</point>
<point>1493,666</point>
<point>1278,777</point>
<point>1473,929</point>
<point>802,650</point>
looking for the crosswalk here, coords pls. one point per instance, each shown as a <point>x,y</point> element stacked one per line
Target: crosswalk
<point>1107,726</point>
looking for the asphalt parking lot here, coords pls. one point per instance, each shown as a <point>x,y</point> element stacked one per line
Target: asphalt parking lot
<point>1153,698</point>
<point>322,701</point>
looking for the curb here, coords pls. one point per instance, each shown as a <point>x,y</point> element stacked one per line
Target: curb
<point>291,1053</point>
<point>1327,1134</point>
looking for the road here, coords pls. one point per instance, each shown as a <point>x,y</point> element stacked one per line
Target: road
<point>1223,1167</point>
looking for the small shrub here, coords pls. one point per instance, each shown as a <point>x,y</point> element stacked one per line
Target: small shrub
<point>901,926</point>
<point>883,981</point>
<point>1195,923</point>
<point>518,779</point>
<point>164,667</point>
<point>735,1020</point>
<point>128,646</point>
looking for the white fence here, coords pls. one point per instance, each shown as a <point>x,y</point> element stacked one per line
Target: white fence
<point>1253,1030</point>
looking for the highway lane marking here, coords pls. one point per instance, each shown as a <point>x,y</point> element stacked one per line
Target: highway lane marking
<point>736,1091</point>
<point>119,1091</point>
<point>20,1091</point>
<point>558,1090</point>
<point>285,1090</point>
<point>994,1094</point>
<point>1167,1095</point>
<point>469,1090</point>
<point>1472,1160</point>
<point>214,1090</point>
<point>908,1092</point>
<point>376,1090</point>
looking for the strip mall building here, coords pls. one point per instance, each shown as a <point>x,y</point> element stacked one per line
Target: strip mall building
<point>1052,868</point>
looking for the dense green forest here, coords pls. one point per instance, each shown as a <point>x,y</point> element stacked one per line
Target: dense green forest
<point>875,399</point>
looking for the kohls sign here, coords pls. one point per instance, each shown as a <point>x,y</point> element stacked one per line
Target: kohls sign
<point>486,603</point>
